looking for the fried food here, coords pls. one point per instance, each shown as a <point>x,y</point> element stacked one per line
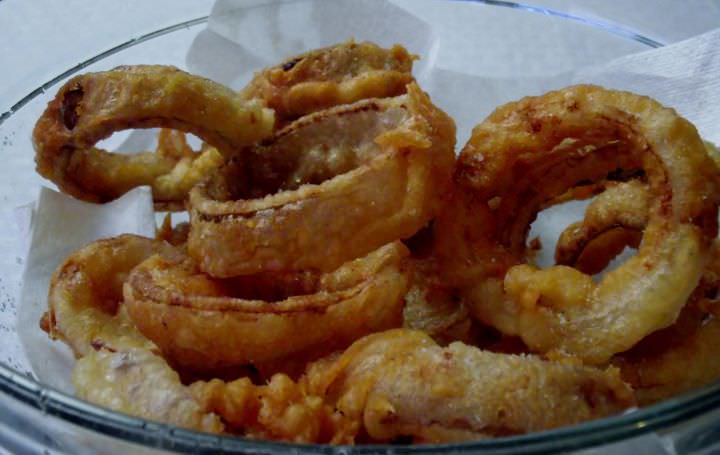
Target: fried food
<point>328,188</point>
<point>140,383</point>
<point>116,367</point>
<point>274,312</point>
<point>340,74</point>
<point>261,318</point>
<point>616,218</point>
<point>174,235</point>
<point>281,409</point>
<point>170,190</point>
<point>670,361</point>
<point>529,152</point>
<point>683,356</point>
<point>433,308</point>
<point>677,359</point>
<point>435,311</point>
<point>84,301</point>
<point>92,106</point>
<point>400,383</point>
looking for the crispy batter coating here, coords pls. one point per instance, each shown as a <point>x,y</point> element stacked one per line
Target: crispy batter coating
<point>322,78</point>
<point>140,383</point>
<point>170,190</point>
<point>282,409</point>
<point>174,235</point>
<point>677,359</point>
<point>117,366</point>
<point>670,361</point>
<point>292,274</point>
<point>85,294</point>
<point>681,357</point>
<point>400,383</point>
<point>434,308</point>
<point>92,106</point>
<point>528,153</point>
<point>330,187</point>
<point>262,318</point>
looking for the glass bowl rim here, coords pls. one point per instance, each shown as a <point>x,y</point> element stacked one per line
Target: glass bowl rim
<point>136,430</point>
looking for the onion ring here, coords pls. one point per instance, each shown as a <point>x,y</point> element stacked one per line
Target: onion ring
<point>385,165</point>
<point>672,360</point>
<point>527,153</point>
<point>92,106</point>
<point>170,190</point>
<point>340,74</point>
<point>85,294</point>
<point>258,319</point>
<point>117,366</point>
<point>400,383</point>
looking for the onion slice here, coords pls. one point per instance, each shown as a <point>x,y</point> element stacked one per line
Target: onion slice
<point>92,106</point>
<point>204,324</point>
<point>330,187</point>
<point>530,152</point>
<point>322,78</point>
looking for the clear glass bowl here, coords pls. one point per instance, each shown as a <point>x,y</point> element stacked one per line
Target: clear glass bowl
<point>36,418</point>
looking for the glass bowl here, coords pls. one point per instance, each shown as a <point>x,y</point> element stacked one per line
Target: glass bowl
<point>37,418</point>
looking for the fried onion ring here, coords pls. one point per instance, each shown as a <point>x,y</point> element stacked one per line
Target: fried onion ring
<point>529,152</point>
<point>329,188</point>
<point>340,74</point>
<point>261,318</point>
<point>670,361</point>
<point>85,294</point>
<point>92,106</point>
<point>400,383</point>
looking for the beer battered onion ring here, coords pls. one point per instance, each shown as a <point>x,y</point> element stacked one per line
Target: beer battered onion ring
<point>330,187</point>
<point>202,324</point>
<point>531,151</point>
<point>322,78</point>
<point>401,383</point>
<point>678,358</point>
<point>92,106</point>
<point>670,361</point>
<point>84,307</point>
<point>117,365</point>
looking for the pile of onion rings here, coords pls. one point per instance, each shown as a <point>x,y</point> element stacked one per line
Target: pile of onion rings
<point>343,278</point>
